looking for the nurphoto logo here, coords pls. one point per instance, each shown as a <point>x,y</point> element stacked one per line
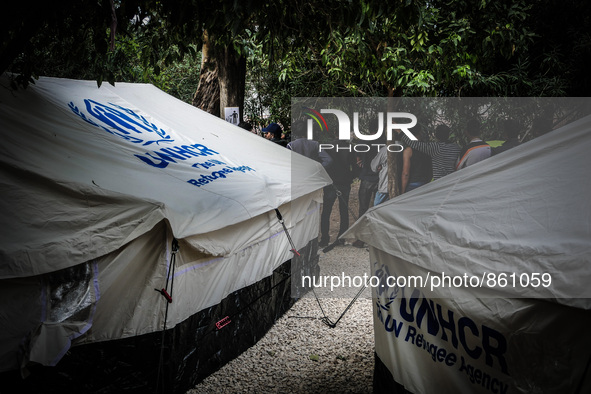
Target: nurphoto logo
<point>387,123</point>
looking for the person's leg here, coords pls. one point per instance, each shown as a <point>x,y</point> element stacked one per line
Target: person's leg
<point>364,196</point>
<point>373,189</point>
<point>328,198</point>
<point>344,208</point>
<point>365,199</point>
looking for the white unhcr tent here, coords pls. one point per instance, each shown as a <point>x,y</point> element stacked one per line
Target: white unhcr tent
<point>98,185</point>
<point>524,216</point>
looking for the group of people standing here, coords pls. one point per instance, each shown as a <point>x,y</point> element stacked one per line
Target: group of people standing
<point>418,163</point>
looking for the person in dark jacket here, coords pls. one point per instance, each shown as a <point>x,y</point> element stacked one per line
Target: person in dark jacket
<point>341,173</point>
<point>306,147</point>
<point>511,132</point>
<point>368,185</point>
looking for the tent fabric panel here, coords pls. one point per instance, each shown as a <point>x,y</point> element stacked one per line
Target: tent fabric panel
<point>62,224</point>
<point>128,279</point>
<point>200,280</point>
<point>236,237</point>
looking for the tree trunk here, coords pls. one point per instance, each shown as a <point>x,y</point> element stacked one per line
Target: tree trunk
<point>232,77</point>
<point>207,96</point>
<point>222,79</point>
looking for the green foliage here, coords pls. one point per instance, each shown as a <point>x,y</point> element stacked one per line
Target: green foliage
<point>328,48</point>
<point>180,79</point>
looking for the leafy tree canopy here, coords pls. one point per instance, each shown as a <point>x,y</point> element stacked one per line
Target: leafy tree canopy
<point>333,47</point>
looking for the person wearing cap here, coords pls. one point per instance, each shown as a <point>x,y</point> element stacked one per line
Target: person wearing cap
<point>273,133</point>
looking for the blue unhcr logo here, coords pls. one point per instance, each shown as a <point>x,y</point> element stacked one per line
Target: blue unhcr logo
<point>132,127</point>
<point>122,122</point>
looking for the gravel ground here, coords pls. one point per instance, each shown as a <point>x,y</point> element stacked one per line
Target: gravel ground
<point>301,354</point>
